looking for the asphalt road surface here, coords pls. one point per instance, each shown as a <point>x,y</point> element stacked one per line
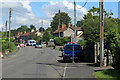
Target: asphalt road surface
<point>32,62</point>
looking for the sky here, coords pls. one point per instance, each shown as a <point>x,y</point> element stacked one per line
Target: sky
<point>29,12</point>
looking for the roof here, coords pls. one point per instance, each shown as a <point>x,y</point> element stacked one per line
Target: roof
<point>29,33</point>
<point>78,28</point>
<point>63,29</point>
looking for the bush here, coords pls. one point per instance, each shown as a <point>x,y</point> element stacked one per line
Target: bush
<point>5,45</point>
<point>61,41</point>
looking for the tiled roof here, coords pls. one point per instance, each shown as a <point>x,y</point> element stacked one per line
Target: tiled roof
<point>26,34</point>
<point>29,33</point>
<point>63,29</point>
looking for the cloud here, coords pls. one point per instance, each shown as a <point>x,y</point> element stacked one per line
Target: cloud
<point>26,4</point>
<point>1,25</point>
<point>22,12</point>
<point>64,6</point>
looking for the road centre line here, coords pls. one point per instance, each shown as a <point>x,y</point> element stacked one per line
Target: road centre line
<point>64,71</point>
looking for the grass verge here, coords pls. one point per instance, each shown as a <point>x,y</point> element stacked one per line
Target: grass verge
<point>110,73</point>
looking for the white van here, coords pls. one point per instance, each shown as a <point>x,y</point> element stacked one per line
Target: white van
<point>31,42</point>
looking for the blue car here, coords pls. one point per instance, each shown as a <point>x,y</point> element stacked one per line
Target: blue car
<point>68,52</point>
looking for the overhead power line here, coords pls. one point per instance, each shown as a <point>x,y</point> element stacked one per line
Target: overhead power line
<point>83,5</point>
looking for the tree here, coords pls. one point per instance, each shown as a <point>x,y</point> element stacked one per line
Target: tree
<point>80,23</point>
<point>64,19</point>
<point>23,28</point>
<point>41,29</point>
<point>49,29</point>
<point>32,27</point>
<point>35,37</point>
<point>46,36</point>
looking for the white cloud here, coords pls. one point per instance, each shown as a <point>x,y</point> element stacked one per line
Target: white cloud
<point>1,25</point>
<point>64,6</point>
<point>26,4</point>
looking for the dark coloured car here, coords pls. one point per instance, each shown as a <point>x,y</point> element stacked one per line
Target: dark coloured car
<point>38,45</point>
<point>68,52</point>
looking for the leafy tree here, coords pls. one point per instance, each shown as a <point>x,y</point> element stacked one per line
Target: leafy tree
<point>23,28</point>
<point>41,29</point>
<point>32,27</point>
<point>49,29</point>
<point>46,36</point>
<point>80,23</point>
<point>35,37</point>
<point>64,19</point>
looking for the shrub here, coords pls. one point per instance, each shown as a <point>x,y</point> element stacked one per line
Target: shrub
<point>61,41</point>
<point>5,45</point>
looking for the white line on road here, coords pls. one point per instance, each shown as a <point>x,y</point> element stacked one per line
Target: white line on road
<point>64,71</point>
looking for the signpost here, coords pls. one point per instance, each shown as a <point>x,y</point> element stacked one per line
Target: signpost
<point>73,36</point>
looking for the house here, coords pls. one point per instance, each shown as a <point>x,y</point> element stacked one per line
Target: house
<point>39,33</point>
<point>25,36</point>
<point>67,31</point>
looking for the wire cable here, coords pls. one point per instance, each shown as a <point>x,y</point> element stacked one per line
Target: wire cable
<point>83,5</point>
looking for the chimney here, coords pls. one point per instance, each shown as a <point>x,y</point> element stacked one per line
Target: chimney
<point>18,33</point>
<point>58,27</point>
<point>21,33</point>
<point>69,24</point>
<point>24,32</point>
<point>63,25</point>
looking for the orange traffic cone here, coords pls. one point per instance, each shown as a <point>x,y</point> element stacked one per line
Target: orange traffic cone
<point>1,55</point>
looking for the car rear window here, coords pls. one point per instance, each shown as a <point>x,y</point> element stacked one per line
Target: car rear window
<point>32,41</point>
<point>69,47</point>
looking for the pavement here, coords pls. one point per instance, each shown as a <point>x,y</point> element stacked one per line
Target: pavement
<point>32,62</point>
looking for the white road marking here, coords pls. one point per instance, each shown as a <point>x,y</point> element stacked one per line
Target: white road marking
<point>64,71</point>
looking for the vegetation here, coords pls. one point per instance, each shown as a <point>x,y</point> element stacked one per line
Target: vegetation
<point>61,41</point>
<point>32,27</point>
<point>90,26</point>
<point>47,36</point>
<point>6,45</point>
<point>64,19</point>
<point>35,37</point>
<point>110,74</point>
<point>41,29</point>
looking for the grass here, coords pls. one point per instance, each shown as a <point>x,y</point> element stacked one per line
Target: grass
<point>110,73</point>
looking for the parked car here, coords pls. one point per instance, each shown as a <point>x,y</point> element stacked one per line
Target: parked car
<point>31,42</point>
<point>38,45</point>
<point>68,52</point>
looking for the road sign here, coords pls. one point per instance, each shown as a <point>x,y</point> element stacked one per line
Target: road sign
<point>73,35</point>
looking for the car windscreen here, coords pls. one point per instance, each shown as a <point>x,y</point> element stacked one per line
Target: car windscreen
<point>70,47</point>
<point>32,41</point>
<point>38,43</point>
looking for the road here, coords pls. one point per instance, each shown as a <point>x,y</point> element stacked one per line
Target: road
<point>32,62</point>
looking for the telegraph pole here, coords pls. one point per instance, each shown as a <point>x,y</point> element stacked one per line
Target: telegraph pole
<point>6,29</point>
<point>59,23</point>
<point>42,29</point>
<point>101,34</point>
<point>9,23</point>
<point>75,18</point>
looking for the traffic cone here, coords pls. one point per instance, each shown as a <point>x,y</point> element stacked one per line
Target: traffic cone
<point>1,55</point>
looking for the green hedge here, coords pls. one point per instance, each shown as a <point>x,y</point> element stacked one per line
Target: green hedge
<point>5,45</point>
<point>61,41</point>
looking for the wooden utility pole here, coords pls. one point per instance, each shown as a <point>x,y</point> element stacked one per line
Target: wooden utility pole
<point>75,18</point>
<point>42,29</point>
<point>9,23</point>
<point>101,34</point>
<point>6,29</point>
<point>59,23</point>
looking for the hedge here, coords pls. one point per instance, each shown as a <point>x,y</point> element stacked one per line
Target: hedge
<point>61,41</point>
